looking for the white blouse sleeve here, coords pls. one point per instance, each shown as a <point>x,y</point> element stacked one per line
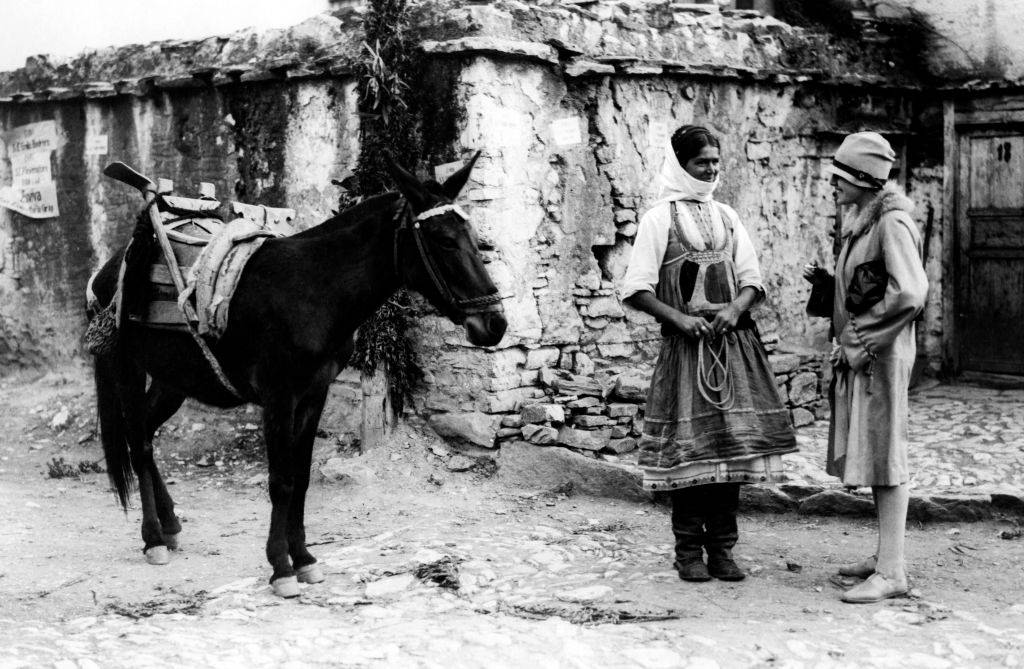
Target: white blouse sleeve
<point>648,251</point>
<point>748,269</point>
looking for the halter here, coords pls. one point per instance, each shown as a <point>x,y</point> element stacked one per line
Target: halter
<point>407,223</point>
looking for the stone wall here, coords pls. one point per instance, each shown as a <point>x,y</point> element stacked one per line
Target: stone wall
<point>561,218</point>
<point>571,106</point>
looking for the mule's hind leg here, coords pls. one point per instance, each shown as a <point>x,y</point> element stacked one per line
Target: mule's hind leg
<point>162,403</point>
<point>308,418</point>
<point>131,388</point>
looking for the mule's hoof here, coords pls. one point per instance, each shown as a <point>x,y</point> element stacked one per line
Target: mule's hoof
<point>157,555</point>
<point>311,573</point>
<point>286,586</point>
<point>172,541</point>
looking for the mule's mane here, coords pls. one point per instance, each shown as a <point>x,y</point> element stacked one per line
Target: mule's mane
<point>369,208</point>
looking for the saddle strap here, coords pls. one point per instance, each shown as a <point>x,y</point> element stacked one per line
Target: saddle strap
<point>212,360</point>
<point>186,308</point>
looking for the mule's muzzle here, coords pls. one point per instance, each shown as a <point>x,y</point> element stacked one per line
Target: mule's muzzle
<point>485,328</point>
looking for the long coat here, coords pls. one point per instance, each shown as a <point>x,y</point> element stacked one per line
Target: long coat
<point>868,432</point>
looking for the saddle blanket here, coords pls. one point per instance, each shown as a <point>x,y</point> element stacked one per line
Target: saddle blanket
<point>215,275</point>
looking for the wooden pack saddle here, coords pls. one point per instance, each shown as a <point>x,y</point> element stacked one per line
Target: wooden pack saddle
<point>210,254</point>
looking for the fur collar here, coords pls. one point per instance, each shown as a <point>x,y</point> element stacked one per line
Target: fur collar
<point>890,198</point>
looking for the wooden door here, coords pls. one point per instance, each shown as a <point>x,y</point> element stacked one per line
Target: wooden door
<point>990,221</point>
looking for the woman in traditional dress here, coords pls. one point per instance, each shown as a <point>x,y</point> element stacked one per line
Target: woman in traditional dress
<point>714,419</point>
<point>878,290</point>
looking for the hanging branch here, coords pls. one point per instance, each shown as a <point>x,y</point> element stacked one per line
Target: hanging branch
<point>388,126</point>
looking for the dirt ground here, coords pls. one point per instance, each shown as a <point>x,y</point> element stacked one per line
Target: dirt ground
<point>428,567</point>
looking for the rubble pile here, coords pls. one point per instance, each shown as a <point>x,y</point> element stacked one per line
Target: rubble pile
<point>591,414</point>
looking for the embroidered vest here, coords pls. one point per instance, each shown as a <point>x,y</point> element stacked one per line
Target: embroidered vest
<point>698,281</point>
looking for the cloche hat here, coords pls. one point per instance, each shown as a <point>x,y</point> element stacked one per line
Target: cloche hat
<point>864,159</point>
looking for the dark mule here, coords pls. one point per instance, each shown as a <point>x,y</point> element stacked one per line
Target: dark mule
<point>290,331</point>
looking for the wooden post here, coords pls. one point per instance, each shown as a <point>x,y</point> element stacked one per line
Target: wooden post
<point>378,410</point>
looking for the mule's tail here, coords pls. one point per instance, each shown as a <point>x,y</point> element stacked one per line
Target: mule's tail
<point>112,431</point>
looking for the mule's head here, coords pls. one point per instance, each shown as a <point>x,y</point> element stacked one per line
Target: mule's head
<point>439,255</point>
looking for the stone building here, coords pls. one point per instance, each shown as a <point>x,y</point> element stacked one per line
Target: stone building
<point>571,104</point>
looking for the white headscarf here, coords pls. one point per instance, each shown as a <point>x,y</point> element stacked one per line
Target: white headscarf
<point>678,184</point>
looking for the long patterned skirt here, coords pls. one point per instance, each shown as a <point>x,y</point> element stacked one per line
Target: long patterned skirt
<point>692,438</point>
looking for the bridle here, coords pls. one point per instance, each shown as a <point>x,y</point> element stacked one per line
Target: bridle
<point>407,223</point>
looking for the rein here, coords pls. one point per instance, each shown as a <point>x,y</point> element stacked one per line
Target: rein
<point>716,376</point>
<point>409,224</point>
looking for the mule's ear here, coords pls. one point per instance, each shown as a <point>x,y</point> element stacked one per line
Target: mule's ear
<point>453,184</point>
<point>409,185</point>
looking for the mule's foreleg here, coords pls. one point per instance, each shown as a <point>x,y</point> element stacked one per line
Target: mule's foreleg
<point>161,404</point>
<point>307,420</point>
<point>278,432</point>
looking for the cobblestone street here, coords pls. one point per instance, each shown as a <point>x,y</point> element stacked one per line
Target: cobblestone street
<point>966,445</point>
<point>431,568</point>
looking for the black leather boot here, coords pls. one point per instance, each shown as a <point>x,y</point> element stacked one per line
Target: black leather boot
<point>722,533</point>
<point>721,536</point>
<point>689,533</point>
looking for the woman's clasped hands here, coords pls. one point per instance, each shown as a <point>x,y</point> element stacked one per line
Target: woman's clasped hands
<point>698,327</point>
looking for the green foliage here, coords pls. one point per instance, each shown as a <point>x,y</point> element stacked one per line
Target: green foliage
<point>384,89</point>
<point>389,127</point>
<point>835,16</point>
<point>389,123</point>
<point>58,469</point>
<point>91,467</point>
<point>383,340</point>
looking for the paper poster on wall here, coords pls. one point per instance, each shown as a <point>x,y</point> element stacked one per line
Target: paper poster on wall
<point>32,201</point>
<point>566,131</point>
<point>29,149</point>
<point>657,134</point>
<point>30,169</point>
<point>96,145</point>
<point>38,137</point>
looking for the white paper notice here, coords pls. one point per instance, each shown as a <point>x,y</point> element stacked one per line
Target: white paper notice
<point>96,145</point>
<point>32,192</point>
<point>442,172</point>
<point>30,169</point>
<point>657,134</point>
<point>33,201</point>
<point>566,131</point>
<point>38,137</point>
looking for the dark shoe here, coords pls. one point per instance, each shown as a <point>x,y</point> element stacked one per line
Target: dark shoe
<point>723,567</point>
<point>691,568</point>
<point>688,530</point>
<point>720,536</point>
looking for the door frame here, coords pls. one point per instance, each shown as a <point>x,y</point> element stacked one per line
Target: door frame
<point>964,117</point>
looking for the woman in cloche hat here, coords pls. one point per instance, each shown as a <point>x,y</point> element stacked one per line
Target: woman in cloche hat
<point>878,290</point>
